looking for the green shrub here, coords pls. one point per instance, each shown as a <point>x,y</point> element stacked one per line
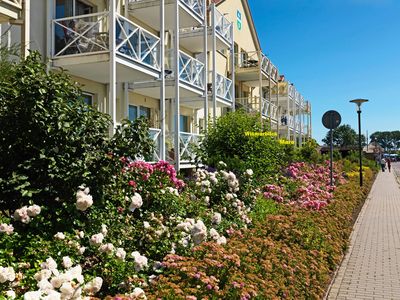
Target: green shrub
<point>227,141</point>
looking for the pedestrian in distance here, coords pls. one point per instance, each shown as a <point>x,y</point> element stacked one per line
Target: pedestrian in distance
<point>388,163</point>
<point>383,164</point>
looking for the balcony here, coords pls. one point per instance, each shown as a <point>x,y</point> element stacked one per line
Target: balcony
<point>192,38</point>
<point>147,11</point>
<point>81,44</point>
<point>287,120</point>
<point>250,64</point>
<point>224,88</point>
<point>188,142</point>
<point>191,71</point>
<point>155,135</point>
<point>10,10</point>
<point>191,79</point>
<point>223,27</point>
<point>248,104</point>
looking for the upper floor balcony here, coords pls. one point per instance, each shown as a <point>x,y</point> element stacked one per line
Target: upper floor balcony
<point>10,10</point>
<point>224,89</point>
<point>81,44</point>
<point>191,79</point>
<point>190,13</point>
<point>249,65</point>
<point>192,38</point>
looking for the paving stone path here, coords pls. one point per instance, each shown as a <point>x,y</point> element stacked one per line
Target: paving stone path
<point>371,268</point>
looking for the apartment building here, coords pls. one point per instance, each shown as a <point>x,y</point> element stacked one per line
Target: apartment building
<point>179,63</point>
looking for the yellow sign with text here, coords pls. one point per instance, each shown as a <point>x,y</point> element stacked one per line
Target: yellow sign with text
<point>255,134</point>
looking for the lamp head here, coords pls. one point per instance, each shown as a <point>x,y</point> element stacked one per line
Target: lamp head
<point>358,102</point>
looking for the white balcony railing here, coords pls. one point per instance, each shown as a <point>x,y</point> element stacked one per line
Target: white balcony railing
<point>87,34</point>
<point>249,104</point>
<point>223,27</point>
<point>291,90</point>
<point>188,142</point>
<point>191,70</point>
<point>136,43</point>
<point>195,6</point>
<point>265,107</point>
<point>224,88</point>
<point>274,111</point>
<point>253,58</point>
<point>15,3</point>
<point>155,135</point>
<point>287,120</point>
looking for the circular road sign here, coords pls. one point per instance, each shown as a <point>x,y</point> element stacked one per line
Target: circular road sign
<point>331,119</point>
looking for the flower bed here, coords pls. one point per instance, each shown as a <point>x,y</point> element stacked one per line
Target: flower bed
<point>288,255</point>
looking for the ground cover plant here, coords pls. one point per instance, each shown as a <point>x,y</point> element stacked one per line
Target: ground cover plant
<point>291,253</point>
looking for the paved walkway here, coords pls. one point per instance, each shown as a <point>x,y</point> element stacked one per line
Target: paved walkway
<point>371,268</point>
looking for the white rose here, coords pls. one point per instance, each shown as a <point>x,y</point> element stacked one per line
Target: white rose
<point>216,218</point>
<point>66,290</point>
<point>52,295</point>
<point>42,274</point>
<point>140,261</point>
<point>45,286</point>
<point>96,239</point>
<point>7,274</point>
<point>138,293</point>
<point>33,210</point>
<point>67,262</point>
<point>11,294</point>
<point>104,229</point>
<point>120,254</point>
<point>136,202</point>
<point>6,228</point>
<point>81,250</point>
<point>93,286</point>
<point>59,236</point>
<point>34,295</point>
<point>249,172</point>
<point>106,248</point>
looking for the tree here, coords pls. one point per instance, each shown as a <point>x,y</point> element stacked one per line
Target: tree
<point>389,140</point>
<point>344,136</point>
<point>51,141</point>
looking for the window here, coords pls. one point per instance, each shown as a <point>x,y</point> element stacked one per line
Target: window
<point>236,55</point>
<point>69,8</point>
<point>184,123</point>
<point>132,112</point>
<point>144,112</point>
<point>88,98</point>
<point>135,112</point>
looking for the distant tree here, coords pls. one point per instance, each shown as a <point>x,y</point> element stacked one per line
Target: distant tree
<point>389,140</point>
<point>344,136</point>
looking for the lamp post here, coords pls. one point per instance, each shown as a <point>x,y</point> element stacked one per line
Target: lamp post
<point>358,102</point>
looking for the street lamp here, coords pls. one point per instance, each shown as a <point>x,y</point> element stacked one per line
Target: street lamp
<point>358,102</point>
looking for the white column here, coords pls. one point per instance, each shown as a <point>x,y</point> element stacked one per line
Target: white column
<point>214,62</point>
<point>176,72</point>
<point>162,83</point>
<point>26,33</point>
<point>112,95</point>
<point>205,37</point>
<point>233,68</point>
<point>49,32</point>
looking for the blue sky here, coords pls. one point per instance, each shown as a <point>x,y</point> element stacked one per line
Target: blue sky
<point>335,51</point>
